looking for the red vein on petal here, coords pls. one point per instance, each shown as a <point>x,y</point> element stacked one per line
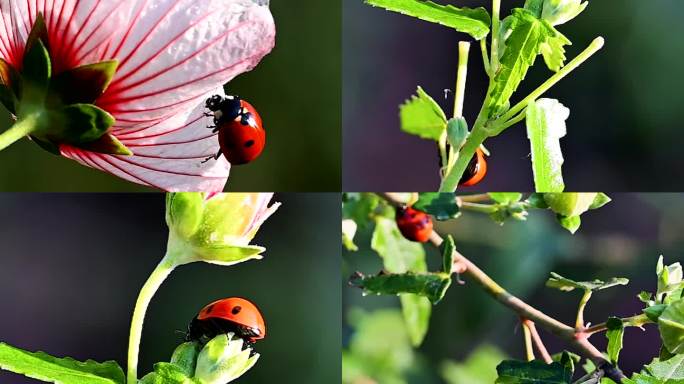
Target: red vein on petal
<point>129,30</point>
<point>124,171</point>
<point>70,47</point>
<point>177,64</point>
<point>23,19</point>
<point>123,136</point>
<point>6,38</point>
<point>147,35</point>
<point>162,91</point>
<point>201,157</point>
<point>15,30</point>
<point>88,39</point>
<point>150,168</point>
<point>133,145</point>
<point>157,54</point>
<point>63,41</point>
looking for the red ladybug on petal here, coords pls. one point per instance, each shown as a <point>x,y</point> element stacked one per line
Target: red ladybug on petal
<point>476,171</point>
<point>237,315</point>
<point>414,225</point>
<point>241,132</point>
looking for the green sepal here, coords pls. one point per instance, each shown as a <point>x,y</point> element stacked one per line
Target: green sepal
<point>457,132</point>
<point>36,74</point>
<point>8,99</point>
<point>536,200</point>
<point>81,85</point>
<point>185,357</point>
<point>570,204</point>
<point>571,223</point>
<point>40,365</point>
<point>11,78</point>
<point>47,146</point>
<point>442,205</point>
<point>184,212</point>
<point>108,145</point>
<point>227,255</point>
<point>167,373</point>
<point>448,249</point>
<point>432,286</point>
<point>38,33</point>
<point>76,124</point>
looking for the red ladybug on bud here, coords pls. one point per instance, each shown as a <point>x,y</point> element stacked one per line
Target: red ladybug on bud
<point>476,171</point>
<point>234,314</point>
<point>413,224</point>
<point>241,132</point>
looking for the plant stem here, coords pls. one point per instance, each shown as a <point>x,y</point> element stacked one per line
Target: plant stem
<point>496,16</point>
<point>529,350</point>
<point>148,290</point>
<point>479,198</point>
<point>538,343</point>
<point>579,323</point>
<point>577,340</point>
<point>634,321</point>
<point>454,175</point>
<point>19,130</point>
<point>485,58</point>
<point>594,47</point>
<point>480,208</point>
<point>459,98</point>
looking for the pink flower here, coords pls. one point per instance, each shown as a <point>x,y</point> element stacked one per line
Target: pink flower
<point>172,55</point>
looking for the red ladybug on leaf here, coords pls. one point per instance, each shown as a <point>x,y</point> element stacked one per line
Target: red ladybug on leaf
<point>241,132</point>
<point>413,224</point>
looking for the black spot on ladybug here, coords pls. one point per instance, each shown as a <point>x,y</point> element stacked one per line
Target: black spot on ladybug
<point>236,310</point>
<point>249,144</point>
<point>211,307</point>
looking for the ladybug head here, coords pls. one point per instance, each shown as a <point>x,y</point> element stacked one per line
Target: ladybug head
<point>214,103</point>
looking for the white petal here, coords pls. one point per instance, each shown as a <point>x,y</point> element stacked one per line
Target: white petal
<point>178,50</point>
<point>169,156</point>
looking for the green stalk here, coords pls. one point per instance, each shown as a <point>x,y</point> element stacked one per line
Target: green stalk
<point>19,130</point>
<point>165,267</point>
<point>459,98</point>
<point>579,323</point>
<point>476,138</point>
<point>496,21</point>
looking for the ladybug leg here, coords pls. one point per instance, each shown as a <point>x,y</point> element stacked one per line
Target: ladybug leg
<point>207,114</point>
<point>210,158</point>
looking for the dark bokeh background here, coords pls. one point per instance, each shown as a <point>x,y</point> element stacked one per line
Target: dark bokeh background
<point>297,90</point>
<point>625,128</point>
<point>622,239</point>
<point>71,267</point>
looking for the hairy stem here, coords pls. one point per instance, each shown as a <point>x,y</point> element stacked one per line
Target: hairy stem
<point>148,290</point>
<point>19,130</point>
<point>578,341</point>
<point>594,47</point>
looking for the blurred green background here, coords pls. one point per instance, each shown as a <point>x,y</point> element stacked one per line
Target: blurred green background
<point>71,267</point>
<point>622,239</point>
<point>625,128</point>
<point>297,90</point>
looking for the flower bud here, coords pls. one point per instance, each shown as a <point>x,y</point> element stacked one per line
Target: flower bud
<point>670,278</point>
<point>216,229</point>
<point>223,360</point>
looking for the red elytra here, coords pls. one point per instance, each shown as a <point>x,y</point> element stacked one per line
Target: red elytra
<point>240,143</point>
<point>476,171</point>
<point>414,225</point>
<point>241,312</point>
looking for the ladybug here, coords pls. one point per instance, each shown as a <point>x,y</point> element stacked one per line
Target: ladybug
<point>241,132</point>
<point>233,314</point>
<point>414,225</point>
<point>476,171</point>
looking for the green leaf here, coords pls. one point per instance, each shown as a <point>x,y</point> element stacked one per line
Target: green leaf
<point>533,372</point>
<point>527,33</point>
<point>349,228</point>
<point>432,286</point>
<point>359,207</point>
<point>399,255</point>
<point>667,371</point>
<point>41,366</point>
<point>448,249</point>
<point>77,124</point>
<point>545,127</point>
<point>536,200</point>
<point>423,117</point>
<point>457,132</point>
<point>564,284</point>
<point>615,333</point>
<point>505,197</point>
<point>416,311</point>
<point>600,200</point>
<point>671,326</point>
<point>474,22</point>
<point>571,223</point>
<point>567,359</point>
<point>441,205</point>
<point>81,85</point>
<point>570,203</point>
<point>553,50</point>
<point>653,312</point>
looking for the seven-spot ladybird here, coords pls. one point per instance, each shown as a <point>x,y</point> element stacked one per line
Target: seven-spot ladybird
<point>415,225</point>
<point>233,314</point>
<point>241,132</point>
<point>476,171</point>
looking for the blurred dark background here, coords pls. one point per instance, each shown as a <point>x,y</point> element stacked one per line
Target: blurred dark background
<point>71,267</point>
<point>297,90</point>
<point>624,132</point>
<point>622,239</point>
